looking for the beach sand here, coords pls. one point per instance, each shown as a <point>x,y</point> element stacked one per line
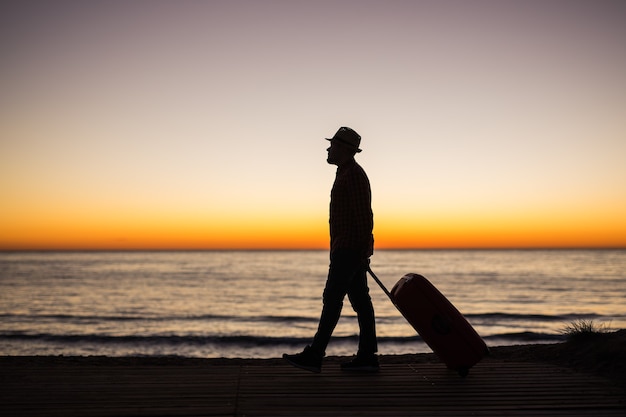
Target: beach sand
<point>579,377</point>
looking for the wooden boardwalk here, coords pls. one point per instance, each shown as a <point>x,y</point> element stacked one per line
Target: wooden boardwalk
<point>271,388</point>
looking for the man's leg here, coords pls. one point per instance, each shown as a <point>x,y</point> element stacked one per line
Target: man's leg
<point>358,294</point>
<point>343,267</point>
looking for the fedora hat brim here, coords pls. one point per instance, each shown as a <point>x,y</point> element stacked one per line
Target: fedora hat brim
<point>348,144</point>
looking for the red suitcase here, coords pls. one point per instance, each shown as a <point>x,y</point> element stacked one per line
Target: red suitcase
<point>438,322</point>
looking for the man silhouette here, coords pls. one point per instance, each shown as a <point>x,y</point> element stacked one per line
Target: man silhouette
<point>351,245</point>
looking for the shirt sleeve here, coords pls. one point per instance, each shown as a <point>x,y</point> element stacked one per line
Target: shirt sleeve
<point>351,219</point>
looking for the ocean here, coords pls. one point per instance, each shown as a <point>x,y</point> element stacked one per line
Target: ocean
<point>260,304</point>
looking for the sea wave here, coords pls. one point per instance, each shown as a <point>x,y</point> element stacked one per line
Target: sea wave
<point>535,317</point>
<point>495,316</point>
<point>243,340</point>
<point>154,318</point>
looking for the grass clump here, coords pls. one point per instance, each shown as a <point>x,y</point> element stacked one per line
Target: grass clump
<point>584,330</point>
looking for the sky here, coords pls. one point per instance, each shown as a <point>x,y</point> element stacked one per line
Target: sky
<point>201,124</point>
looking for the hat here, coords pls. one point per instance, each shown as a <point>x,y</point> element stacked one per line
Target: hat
<point>348,137</point>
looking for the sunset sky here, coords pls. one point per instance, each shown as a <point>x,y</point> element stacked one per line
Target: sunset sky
<point>201,124</point>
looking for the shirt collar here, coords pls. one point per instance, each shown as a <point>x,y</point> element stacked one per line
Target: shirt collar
<point>350,163</point>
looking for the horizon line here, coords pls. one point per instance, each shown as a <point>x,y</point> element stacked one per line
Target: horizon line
<point>398,249</point>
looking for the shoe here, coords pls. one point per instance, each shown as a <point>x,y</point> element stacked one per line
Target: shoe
<point>362,364</point>
<point>307,360</point>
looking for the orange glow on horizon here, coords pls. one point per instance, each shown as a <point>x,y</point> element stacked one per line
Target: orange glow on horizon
<point>82,227</point>
<point>309,233</point>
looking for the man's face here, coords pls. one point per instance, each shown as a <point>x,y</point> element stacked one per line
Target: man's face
<point>338,153</point>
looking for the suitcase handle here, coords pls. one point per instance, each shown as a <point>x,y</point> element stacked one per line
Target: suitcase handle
<point>379,282</point>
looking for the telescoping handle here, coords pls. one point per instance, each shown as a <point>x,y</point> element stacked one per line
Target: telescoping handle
<point>379,282</point>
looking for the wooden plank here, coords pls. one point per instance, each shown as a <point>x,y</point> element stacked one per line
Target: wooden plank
<point>272,388</point>
<point>427,389</point>
<point>114,391</point>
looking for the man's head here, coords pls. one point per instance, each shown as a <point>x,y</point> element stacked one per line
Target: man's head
<point>343,146</point>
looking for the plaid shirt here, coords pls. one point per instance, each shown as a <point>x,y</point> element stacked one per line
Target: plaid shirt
<point>351,218</point>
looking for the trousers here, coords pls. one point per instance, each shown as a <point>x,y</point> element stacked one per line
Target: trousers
<point>347,275</point>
